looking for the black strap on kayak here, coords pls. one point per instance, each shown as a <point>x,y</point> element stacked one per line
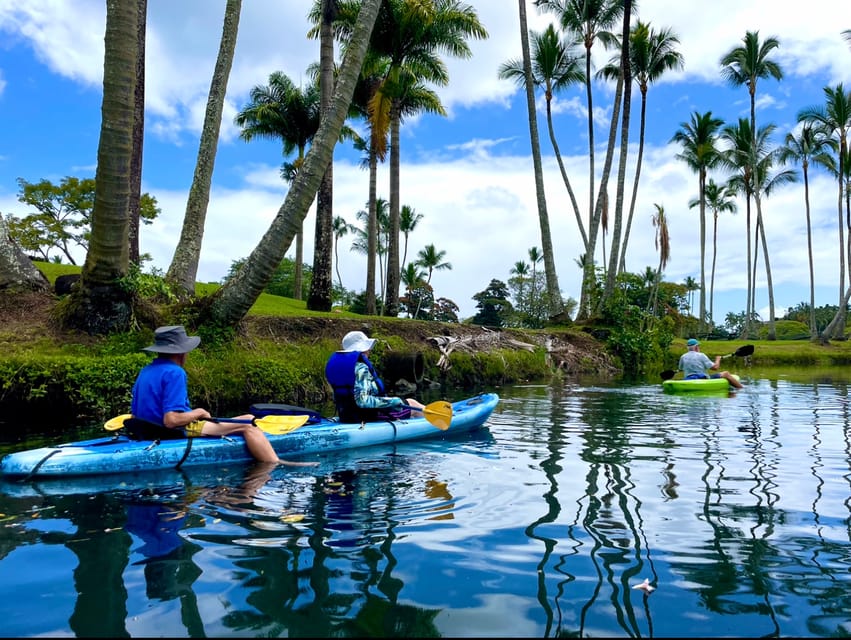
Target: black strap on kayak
<point>38,465</point>
<point>185,452</point>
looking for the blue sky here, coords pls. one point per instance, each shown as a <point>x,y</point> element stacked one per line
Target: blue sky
<point>468,174</point>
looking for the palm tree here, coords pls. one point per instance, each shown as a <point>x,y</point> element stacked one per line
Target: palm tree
<point>535,258</point>
<point>431,259</point>
<point>651,54</point>
<point>810,145</point>
<point>410,34</point>
<point>698,139</point>
<point>691,286</point>
<point>718,199</point>
<point>282,111</point>
<point>363,241</point>
<point>835,117</point>
<point>341,228</point>
<point>753,159</point>
<point>373,71</point>
<point>413,278</point>
<point>408,221</point>
<point>766,180</point>
<point>231,302</point>
<point>100,305</point>
<point>745,65</point>
<point>184,264</point>
<point>320,296</point>
<point>588,21</point>
<point>663,246</point>
<point>520,270</point>
<point>738,156</point>
<point>555,67</point>
<point>556,306</point>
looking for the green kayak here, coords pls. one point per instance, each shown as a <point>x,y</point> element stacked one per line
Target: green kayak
<point>700,384</point>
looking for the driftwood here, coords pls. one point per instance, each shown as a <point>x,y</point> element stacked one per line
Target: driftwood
<point>561,354</point>
<point>485,341</point>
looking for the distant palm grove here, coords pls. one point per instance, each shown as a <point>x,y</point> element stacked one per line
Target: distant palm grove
<point>380,62</point>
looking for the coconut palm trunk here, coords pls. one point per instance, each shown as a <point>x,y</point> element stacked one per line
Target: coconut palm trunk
<point>99,305</point>
<point>322,283</point>
<point>556,305</point>
<point>183,270</point>
<point>138,136</point>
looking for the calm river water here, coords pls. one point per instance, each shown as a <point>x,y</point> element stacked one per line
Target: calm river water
<point>735,508</point>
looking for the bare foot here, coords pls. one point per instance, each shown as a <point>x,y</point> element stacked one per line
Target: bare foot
<point>298,464</point>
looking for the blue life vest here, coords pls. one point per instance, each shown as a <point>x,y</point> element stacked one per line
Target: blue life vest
<point>340,373</point>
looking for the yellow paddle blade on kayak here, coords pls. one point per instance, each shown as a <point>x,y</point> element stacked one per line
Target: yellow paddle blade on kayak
<point>116,423</point>
<point>274,425</point>
<point>279,425</point>
<point>439,414</point>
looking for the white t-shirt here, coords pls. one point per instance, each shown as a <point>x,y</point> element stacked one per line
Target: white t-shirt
<point>695,363</point>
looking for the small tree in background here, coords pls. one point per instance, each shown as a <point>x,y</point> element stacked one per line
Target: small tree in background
<point>493,304</point>
<point>63,216</point>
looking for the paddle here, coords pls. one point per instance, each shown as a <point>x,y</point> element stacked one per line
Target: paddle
<point>274,425</point>
<point>439,414</point>
<point>741,352</point>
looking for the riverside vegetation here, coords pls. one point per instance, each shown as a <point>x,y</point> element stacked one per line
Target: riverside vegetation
<point>277,354</point>
<point>279,351</point>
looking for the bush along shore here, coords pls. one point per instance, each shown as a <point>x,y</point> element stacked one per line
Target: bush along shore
<point>75,379</point>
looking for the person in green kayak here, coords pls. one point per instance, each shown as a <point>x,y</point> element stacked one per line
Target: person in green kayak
<point>359,393</point>
<point>160,399</point>
<point>695,365</point>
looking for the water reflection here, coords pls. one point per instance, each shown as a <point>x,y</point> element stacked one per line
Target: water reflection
<point>735,508</point>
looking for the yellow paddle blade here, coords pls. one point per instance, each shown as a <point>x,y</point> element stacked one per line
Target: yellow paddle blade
<point>116,423</point>
<point>279,425</point>
<point>439,414</point>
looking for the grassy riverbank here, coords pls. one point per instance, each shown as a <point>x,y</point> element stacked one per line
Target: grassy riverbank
<point>277,355</point>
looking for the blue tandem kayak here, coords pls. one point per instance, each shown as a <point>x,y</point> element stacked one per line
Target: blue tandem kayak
<point>119,454</point>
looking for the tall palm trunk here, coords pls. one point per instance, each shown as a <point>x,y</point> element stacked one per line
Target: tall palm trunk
<point>551,130</point>
<point>626,74</point>
<point>556,304</point>
<point>394,273</point>
<point>184,264</point>
<point>638,161</point>
<point>604,181</point>
<point>322,284</point>
<point>772,332</point>
<point>371,230</point>
<point>712,271</point>
<point>813,327</point>
<point>232,301</point>
<point>138,136</point>
<point>836,328</point>
<point>100,305</point>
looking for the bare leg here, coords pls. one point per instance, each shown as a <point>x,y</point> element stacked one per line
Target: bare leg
<point>731,379</point>
<point>256,441</point>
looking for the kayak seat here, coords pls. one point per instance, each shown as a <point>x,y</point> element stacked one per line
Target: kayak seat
<point>139,429</point>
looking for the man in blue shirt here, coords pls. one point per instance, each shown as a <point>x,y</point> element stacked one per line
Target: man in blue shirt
<point>160,396</point>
